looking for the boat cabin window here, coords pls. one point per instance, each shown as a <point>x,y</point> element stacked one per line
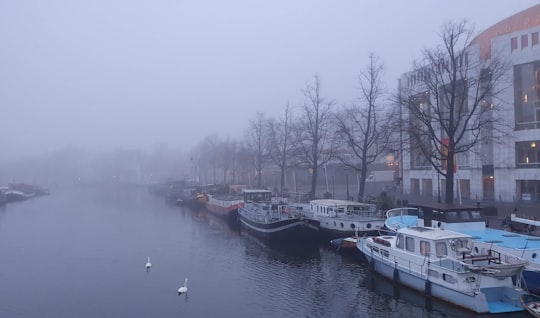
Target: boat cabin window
<point>424,248</point>
<point>451,216</point>
<point>409,244</point>
<point>465,215</point>
<point>476,215</point>
<point>399,241</point>
<point>257,196</point>
<point>441,249</point>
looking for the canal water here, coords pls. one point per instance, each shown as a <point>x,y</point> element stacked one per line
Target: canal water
<point>81,252</point>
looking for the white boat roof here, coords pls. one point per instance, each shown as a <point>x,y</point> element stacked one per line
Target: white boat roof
<point>432,233</point>
<point>334,202</point>
<point>257,191</point>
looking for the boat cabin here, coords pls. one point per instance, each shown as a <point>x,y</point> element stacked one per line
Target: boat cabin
<point>454,217</point>
<point>336,208</point>
<point>257,195</point>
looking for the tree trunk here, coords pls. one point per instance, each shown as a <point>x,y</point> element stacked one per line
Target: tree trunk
<point>449,197</point>
<point>313,183</point>
<point>282,182</point>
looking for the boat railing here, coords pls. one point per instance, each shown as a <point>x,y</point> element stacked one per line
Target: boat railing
<point>268,212</point>
<point>401,212</point>
<point>444,263</point>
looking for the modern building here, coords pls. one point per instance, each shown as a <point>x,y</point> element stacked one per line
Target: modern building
<point>507,169</point>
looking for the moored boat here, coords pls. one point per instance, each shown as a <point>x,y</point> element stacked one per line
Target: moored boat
<point>471,221</point>
<point>531,303</point>
<point>342,218</point>
<point>440,264</point>
<point>274,220</point>
<point>346,246</point>
<point>225,205</point>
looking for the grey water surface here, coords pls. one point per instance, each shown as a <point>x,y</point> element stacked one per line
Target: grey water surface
<point>81,252</point>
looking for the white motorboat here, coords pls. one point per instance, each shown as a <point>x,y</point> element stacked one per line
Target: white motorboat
<point>440,264</point>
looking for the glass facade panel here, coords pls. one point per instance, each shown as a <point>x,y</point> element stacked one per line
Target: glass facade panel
<point>527,95</point>
<point>528,190</point>
<point>417,157</point>
<point>528,154</point>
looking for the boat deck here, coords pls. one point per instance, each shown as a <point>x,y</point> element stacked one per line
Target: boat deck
<point>504,238</point>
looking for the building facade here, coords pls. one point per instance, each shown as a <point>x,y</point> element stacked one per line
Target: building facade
<point>506,169</point>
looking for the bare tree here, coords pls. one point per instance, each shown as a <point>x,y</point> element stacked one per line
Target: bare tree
<point>363,127</point>
<point>450,101</point>
<point>315,142</point>
<point>227,152</point>
<point>281,146</point>
<point>257,145</point>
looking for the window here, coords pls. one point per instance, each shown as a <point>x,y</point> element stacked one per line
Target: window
<point>528,189</point>
<point>534,38</point>
<point>451,216</point>
<point>513,44</point>
<point>440,249</point>
<point>409,244</point>
<point>420,102</point>
<point>476,215</point>
<point>524,40</point>
<point>528,154</point>
<point>448,278</point>
<point>433,273</point>
<point>527,95</point>
<point>399,241</point>
<point>424,248</point>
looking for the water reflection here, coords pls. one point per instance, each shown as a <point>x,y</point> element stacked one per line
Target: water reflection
<point>80,253</point>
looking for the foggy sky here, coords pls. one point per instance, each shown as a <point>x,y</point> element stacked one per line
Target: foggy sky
<point>104,74</point>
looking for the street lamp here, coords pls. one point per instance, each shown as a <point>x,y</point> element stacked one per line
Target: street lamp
<point>347,181</point>
<point>439,187</point>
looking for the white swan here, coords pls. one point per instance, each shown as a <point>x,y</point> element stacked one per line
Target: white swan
<point>183,289</point>
<point>148,264</point>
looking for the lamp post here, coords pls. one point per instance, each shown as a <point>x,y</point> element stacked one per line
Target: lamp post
<point>439,187</point>
<point>347,181</point>
<point>333,188</point>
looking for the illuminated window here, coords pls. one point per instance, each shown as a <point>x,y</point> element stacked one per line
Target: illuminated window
<point>527,154</point>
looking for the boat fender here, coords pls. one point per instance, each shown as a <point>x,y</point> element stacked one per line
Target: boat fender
<point>427,288</point>
<point>396,275</point>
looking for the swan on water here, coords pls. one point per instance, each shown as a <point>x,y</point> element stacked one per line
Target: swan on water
<point>183,289</point>
<point>148,264</point>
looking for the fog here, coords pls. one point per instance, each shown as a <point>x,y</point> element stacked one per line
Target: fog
<point>94,77</point>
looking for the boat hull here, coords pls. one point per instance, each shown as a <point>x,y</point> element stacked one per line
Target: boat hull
<point>531,303</point>
<point>488,300</point>
<point>332,228</point>
<point>531,279</point>
<point>226,207</point>
<point>293,230</point>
